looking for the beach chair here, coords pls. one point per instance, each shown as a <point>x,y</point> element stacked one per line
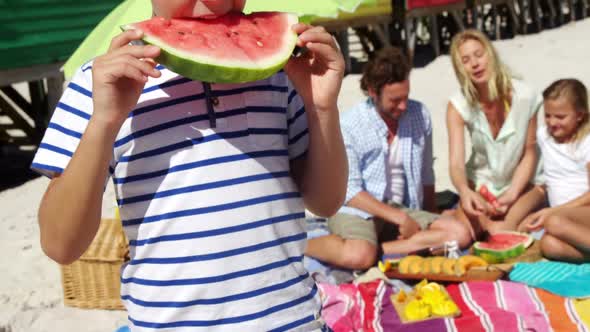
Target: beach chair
<point>415,9</point>
<point>370,22</point>
<point>496,15</point>
<point>36,37</point>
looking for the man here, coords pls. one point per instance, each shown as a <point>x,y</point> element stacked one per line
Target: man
<point>388,141</point>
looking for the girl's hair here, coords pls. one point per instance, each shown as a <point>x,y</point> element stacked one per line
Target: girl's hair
<point>499,85</point>
<point>576,94</point>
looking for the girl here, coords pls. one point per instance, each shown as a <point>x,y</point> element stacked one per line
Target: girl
<point>565,148</point>
<point>499,113</point>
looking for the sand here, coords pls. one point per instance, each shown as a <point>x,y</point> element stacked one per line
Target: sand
<point>31,297</point>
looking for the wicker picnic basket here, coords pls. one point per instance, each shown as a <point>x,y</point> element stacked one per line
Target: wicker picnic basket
<point>93,281</point>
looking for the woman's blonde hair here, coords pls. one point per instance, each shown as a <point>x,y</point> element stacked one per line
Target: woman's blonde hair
<point>576,94</point>
<point>499,85</point>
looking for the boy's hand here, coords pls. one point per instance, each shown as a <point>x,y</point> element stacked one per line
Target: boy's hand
<point>317,74</point>
<point>119,77</point>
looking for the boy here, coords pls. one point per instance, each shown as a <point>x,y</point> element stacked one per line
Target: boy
<point>212,210</point>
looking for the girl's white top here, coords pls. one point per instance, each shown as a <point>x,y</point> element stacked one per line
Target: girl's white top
<point>565,167</point>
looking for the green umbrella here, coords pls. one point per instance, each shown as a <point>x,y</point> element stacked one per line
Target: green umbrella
<point>97,42</point>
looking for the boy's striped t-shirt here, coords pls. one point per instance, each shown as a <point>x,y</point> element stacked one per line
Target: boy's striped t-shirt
<point>214,219</point>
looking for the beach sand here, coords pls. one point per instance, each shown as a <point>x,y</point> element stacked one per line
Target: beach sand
<point>31,297</point>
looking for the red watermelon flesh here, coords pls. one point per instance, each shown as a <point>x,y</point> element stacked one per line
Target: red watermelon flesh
<point>501,246</point>
<point>230,48</point>
<point>505,240</point>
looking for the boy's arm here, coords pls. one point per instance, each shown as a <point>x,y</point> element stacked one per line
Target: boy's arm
<point>317,76</point>
<point>70,211</point>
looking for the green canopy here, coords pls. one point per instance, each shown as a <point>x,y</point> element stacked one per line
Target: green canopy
<point>43,32</point>
<point>98,40</point>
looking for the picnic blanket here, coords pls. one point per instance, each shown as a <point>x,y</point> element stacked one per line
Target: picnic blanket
<point>502,306</point>
<point>565,279</point>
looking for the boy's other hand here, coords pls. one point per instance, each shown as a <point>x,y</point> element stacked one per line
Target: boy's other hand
<point>120,75</point>
<point>317,74</point>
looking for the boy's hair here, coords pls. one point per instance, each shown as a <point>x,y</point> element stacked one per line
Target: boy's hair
<point>576,94</point>
<point>500,83</point>
<point>390,65</point>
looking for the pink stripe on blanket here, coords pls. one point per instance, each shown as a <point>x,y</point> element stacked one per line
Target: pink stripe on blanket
<point>482,297</point>
<point>523,300</point>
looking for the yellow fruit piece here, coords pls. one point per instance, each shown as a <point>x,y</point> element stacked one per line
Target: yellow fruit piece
<point>416,310</point>
<point>425,268</point>
<point>436,264</point>
<point>470,261</point>
<point>402,296</point>
<point>460,269</point>
<point>404,264</point>
<point>421,284</point>
<point>467,262</point>
<point>448,266</point>
<point>433,286</point>
<point>384,267</point>
<point>444,308</point>
<point>416,266</point>
<point>433,297</point>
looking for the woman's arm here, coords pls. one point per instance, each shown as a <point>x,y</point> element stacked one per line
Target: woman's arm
<point>471,202</point>
<point>526,168</point>
<point>455,129</point>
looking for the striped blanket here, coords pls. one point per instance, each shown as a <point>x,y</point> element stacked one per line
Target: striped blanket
<point>501,306</point>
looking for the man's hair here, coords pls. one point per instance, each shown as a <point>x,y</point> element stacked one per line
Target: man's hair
<point>390,65</point>
<point>576,94</point>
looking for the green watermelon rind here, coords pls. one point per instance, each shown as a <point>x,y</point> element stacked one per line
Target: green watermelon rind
<point>205,70</point>
<point>493,256</point>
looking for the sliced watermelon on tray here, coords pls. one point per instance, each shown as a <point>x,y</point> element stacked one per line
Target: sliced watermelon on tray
<point>232,48</point>
<point>503,245</point>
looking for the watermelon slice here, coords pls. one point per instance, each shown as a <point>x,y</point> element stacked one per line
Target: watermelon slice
<point>489,196</point>
<point>502,246</point>
<point>233,48</point>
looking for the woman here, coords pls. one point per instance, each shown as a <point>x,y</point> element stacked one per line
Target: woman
<point>499,113</point>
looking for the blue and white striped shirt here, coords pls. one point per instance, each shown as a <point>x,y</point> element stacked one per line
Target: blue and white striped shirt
<point>365,138</point>
<point>214,219</point>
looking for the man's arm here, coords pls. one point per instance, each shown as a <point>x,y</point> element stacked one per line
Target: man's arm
<point>364,201</point>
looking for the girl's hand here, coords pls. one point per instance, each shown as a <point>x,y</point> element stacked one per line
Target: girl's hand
<point>473,204</point>
<point>535,221</point>
<point>118,77</point>
<point>317,74</point>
